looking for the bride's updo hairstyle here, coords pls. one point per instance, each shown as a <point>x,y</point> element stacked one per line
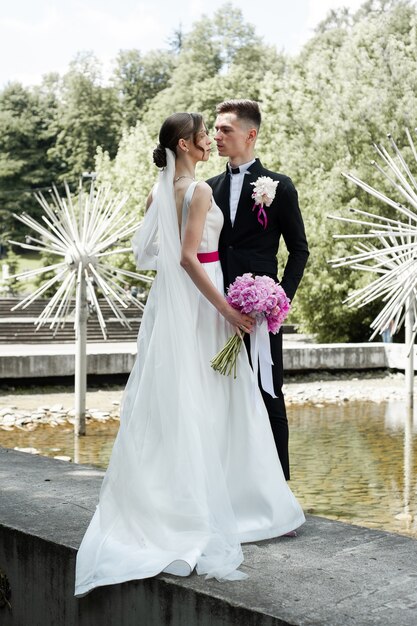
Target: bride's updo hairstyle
<point>177,126</point>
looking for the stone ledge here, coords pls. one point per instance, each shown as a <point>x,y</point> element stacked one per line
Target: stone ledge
<point>333,574</point>
<point>47,360</point>
<point>331,356</point>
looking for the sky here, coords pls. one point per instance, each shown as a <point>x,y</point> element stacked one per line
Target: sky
<point>41,36</point>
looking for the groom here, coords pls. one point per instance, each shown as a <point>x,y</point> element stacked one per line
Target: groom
<point>249,239</point>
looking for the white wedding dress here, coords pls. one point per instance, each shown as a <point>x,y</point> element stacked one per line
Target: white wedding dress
<point>194,469</point>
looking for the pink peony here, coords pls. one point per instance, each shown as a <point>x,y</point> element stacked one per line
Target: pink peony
<point>260,295</point>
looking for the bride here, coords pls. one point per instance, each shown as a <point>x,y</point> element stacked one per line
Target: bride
<point>194,470</point>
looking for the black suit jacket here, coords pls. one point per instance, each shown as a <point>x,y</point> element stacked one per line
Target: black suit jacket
<point>247,246</point>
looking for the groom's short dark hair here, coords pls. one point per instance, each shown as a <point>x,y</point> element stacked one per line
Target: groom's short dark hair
<point>247,110</point>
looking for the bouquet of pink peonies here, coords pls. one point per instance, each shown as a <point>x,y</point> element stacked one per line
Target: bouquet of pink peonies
<point>261,297</point>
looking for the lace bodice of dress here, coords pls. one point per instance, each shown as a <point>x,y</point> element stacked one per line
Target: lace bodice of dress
<point>212,226</point>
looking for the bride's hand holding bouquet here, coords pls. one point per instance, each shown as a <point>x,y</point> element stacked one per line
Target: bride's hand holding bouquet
<point>241,321</point>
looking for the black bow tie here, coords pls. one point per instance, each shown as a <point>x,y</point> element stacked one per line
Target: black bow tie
<point>235,170</point>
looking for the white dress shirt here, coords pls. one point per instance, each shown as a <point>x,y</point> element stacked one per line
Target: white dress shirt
<point>236,183</point>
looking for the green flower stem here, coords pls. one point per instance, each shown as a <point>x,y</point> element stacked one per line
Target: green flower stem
<point>226,360</point>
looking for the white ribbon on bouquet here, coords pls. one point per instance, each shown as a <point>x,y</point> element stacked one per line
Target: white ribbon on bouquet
<point>260,353</point>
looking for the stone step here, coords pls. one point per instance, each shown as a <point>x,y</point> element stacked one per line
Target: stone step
<point>19,326</point>
<point>15,334</point>
<point>34,309</point>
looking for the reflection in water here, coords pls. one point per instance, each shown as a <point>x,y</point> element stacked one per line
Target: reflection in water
<point>76,457</point>
<point>408,468</point>
<point>398,416</point>
<point>354,462</point>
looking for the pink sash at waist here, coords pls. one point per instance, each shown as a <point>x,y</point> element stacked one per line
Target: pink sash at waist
<point>208,257</point>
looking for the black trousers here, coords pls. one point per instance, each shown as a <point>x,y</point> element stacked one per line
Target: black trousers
<point>276,406</point>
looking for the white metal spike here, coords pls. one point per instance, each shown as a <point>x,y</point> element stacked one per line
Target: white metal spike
<point>84,234</point>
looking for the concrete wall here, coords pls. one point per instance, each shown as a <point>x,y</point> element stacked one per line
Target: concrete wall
<point>45,507</point>
<point>33,361</point>
<point>332,574</point>
<point>41,576</point>
<point>342,356</point>
<point>43,361</point>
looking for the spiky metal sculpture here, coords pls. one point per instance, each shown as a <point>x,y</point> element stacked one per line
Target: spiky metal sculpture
<point>82,235</point>
<point>388,248</point>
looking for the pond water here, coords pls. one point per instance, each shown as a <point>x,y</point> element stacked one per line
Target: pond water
<point>355,462</point>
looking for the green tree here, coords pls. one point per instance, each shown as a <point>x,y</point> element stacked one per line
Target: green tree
<point>88,116</point>
<point>138,78</point>
<point>176,39</point>
<point>350,85</point>
<point>220,58</point>
<point>25,138</point>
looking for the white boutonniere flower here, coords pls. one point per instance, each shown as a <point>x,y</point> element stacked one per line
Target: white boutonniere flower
<point>264,192</point>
